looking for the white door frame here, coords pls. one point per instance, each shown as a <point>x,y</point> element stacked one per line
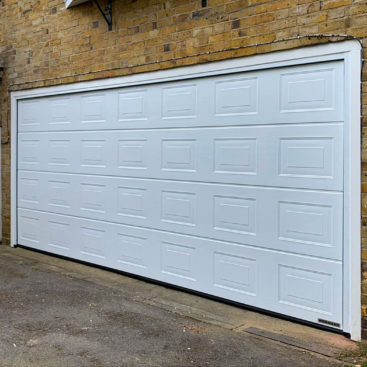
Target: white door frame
<point>348,51</point>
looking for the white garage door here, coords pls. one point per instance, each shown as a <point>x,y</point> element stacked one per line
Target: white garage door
<point>230,185</point>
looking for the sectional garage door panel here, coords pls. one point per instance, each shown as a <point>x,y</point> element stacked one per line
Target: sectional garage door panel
<point>308,93</point>
<point>303,286</point>
<point>230,185</point>
<point>303,156</point>
<point>299,221</point>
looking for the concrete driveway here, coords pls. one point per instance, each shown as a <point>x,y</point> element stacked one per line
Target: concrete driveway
<point>55,312</point>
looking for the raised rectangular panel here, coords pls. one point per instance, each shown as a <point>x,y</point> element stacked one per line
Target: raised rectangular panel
<point>131,154</point>
<point>235,273</point>
<point>59,194</point>
<point>29,191</point>
<point>234,214</point>
<point>61,111</point>
<point>236,97</point>
<point>305,288</point>
<point>59,235</point>
<point>29,114</point>
<point>307,157</point>
<point>92,242</point>
<point>177,260</point>
<point>59,153</point>
<point>179,207</point>
<point>235,155</point>
<point>306,223</point>
<point>131,202</point>
<point>179,154</point>
<point>93,197</point>
<point>131,250</point>
<point>93,153</point>
<point>132,106</point>
<point>311,90</point>
<point>29,228</point>
<point>30,151</point>
<point>93,108</point>
<point>179,102</point>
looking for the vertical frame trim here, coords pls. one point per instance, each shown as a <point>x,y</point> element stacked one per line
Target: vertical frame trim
<point>13,170</point>
<point>352,195</point>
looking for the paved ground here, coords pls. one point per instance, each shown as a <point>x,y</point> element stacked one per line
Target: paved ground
<point>59,313</point>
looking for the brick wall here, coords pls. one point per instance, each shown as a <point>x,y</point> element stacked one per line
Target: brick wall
<point>43,44</point>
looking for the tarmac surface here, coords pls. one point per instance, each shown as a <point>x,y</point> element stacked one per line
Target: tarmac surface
<point>55,312</point>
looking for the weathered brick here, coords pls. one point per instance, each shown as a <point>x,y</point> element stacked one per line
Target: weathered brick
<point>330,4</point>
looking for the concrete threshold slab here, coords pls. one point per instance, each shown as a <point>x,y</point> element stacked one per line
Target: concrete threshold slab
<point>312,347</point>
<point>193,312</point>
<point>240,320</point>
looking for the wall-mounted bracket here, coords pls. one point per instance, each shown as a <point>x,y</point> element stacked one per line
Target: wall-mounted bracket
<point>107,13</point>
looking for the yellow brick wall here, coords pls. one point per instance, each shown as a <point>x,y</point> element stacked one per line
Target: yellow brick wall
<point>42,44</point>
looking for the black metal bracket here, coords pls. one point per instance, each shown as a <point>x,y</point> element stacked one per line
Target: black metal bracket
<point>107,13</point>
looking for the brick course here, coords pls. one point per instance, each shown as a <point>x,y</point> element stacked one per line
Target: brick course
<point>43,44</point>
